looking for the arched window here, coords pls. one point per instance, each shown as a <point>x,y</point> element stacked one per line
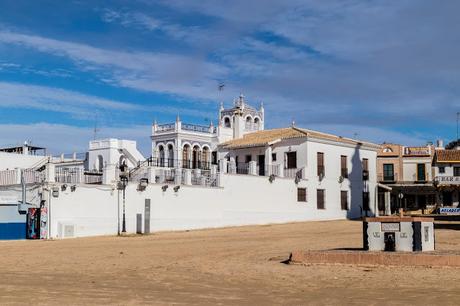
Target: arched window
<point>227,122</point>
<point>205,158</point>
<point>161,156</point>
<point>256,123</point>
<point>186,156</point>
<point>248,123</point>
<point>170,156</point>
<point>100,163</point>
<point>196,157</point>
<point>122,160</point>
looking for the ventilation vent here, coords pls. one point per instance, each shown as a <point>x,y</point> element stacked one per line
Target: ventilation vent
<point>66,230</point>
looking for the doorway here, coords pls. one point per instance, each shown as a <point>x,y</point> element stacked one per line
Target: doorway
<point>261,165</point>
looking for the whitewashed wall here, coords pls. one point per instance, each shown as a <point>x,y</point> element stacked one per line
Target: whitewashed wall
<point>245,200</point>
<point>12,160</point>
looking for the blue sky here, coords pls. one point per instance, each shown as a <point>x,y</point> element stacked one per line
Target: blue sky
<point>381,70</point>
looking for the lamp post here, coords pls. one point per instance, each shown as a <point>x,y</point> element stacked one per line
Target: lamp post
<point>124,183</point>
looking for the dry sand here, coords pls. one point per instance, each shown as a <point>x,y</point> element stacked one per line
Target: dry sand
<point>238,266</point>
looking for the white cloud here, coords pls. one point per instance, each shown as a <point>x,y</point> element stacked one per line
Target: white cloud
<point>130,19</point>
<point>160,72</point>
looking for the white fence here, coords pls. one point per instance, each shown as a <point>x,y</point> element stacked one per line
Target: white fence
<point>13,177</point>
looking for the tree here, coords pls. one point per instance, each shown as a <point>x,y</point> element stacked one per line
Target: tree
<point>453,144</point>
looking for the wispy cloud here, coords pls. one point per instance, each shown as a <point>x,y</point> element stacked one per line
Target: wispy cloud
<point>15,95</point>
<point>159,72</point>
<point>130,19</point>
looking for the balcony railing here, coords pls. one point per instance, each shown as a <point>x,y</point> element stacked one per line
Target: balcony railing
<point>242,168</point>
<point>166,127</point>
<point>198,128</point>
<point>293,173</point>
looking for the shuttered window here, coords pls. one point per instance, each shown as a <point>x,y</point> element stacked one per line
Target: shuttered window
<point>301,194</point>
<point>343,166</point>
<point>291,162</point>
<point>365,164</point>
<point>344,200</point>
<point>320,162</point>
<point>320,195</point>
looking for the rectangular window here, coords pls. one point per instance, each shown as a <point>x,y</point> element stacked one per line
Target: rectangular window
<point>301,194</point>
<point>366,200</point>
<point>320,199</point>
<point>320,163</point>
<point>248,158</point>
<point>365,163</point>
<point>343,166</point>
<point>273,156</point>
<point>291,160</point>
<point>456,171</point>
<point>421,175</point>
<point>388,172</point>
<point>442,169</point>
<point>344,200</point>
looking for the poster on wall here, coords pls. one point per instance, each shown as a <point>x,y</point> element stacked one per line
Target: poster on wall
<point>43,222</point>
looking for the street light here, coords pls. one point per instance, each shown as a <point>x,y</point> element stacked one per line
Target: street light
<point>124,183</point>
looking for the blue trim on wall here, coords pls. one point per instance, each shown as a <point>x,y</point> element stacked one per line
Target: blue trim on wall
<point>12,231</point>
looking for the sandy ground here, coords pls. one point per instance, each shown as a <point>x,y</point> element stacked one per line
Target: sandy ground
<point>238,266</point>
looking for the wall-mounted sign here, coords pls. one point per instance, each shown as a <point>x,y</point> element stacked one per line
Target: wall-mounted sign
<point>449,210</point>
<point>390,227</point>
<point>444,179</point>
<point>416,151</point>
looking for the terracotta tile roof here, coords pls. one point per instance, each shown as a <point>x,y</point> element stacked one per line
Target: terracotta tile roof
<point>263,138</point>
<point>446,156</point>
<point>266,137</point>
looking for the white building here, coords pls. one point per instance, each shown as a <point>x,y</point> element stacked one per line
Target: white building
<point>446,168</point>
<point>234,174</point>
<point>195,146</point>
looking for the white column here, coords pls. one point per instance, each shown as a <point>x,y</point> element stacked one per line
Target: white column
<point>50,173</point>
<point>223,165</point>
<point>253,168</point>
<point>220,181</point>
<point>280,170</point>
<point>232,166</point>
<point>151,173</point>
<point>108,174</point>
<point>268,160</point>
<point>178,177</point>
<point>387,195</point>
<point>213,169</point>
<point>187,176</point>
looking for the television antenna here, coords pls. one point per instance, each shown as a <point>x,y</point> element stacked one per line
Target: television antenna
<point>96,129</point>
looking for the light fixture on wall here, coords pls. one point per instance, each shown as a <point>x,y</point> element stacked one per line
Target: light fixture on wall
<point>164,188</point>
<point>73,188</point>
<point>176,189</point>
<point>271,178</point>
<point>63,187</point>
<point>143,183</point>
<point>55,192</point>
<point>341,178</point>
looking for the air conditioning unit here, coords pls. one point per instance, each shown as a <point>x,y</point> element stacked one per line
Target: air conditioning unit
<point>67,230</point>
